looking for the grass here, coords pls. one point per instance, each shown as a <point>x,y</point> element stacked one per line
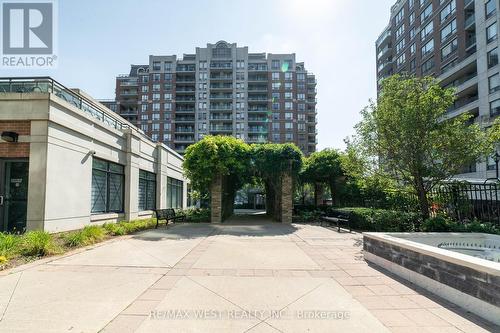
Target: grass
<point>87,236</point>
<point>17,249</point>
<point>38,244</point>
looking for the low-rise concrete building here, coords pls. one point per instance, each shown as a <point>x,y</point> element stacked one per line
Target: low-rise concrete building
<point>66,161</point>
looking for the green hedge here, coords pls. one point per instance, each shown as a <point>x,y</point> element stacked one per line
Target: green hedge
<point>443,224</point>
<point>369,219</point>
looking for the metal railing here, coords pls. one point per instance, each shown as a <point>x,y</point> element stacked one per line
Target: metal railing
<point>27,85</point>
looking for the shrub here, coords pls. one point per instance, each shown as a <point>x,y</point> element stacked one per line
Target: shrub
<point>38,243</point>
<point>369,219</point>
<point>9,244</point>
<point>88,235</point>
<point>196,215</point>
<point>438,224</point>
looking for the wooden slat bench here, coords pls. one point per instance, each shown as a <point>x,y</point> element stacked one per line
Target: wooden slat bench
<point>168,215</point>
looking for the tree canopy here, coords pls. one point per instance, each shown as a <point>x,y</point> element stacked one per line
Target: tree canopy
<point>224,155</point>
<point>408,130</point>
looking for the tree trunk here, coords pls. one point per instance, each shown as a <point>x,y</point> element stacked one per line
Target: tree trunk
<point>318,194</point>
<point>333,191</point>
<point>422,197</point>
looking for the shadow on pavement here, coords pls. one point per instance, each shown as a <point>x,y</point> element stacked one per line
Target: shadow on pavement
<point>248,225</point>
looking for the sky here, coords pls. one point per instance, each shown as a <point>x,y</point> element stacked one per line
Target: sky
<point>98,40</point>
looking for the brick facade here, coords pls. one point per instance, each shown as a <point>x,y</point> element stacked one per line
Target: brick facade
<point>216,199</point>
<point>15,149</point>
<point>286,198</point>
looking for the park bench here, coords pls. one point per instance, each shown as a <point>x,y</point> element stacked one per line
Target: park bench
<point>168,215</point>
<point>338,218</point>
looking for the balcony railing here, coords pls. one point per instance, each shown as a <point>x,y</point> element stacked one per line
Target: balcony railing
<point>28,85</point>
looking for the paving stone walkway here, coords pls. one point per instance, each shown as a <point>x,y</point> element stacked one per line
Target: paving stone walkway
<point>248,275</point>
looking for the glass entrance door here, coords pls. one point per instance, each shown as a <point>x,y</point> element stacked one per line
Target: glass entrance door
<point>13,195</point>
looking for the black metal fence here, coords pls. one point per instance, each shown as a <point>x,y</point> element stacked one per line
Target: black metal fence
<point>463,201</point>
<point>467,201</point>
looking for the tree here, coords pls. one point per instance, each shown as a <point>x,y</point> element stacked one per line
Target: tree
<point>409,132</point>
<point>270,161</point>
<point>325,167</point>
<point>223,156</point>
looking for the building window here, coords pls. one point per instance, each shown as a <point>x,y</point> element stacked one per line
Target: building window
<point>147,190</point>
<point>491,32</point>
<point>490,8</point>
<point>412,17</point>
<point>427,30</point>
<point>494,83</point>
<point>107,187</point>
<point>493,58</point>
<point>427,66</point>
<point>276,76</point>
<point>428,48</point>
<point>449,49</point>
<point>399,16</point>
<point>275,64</point>
<point>400,46</point>
<point>449,30</point>
<point>426,13</point>
<point>448,10</point>
<point>400,31</point>
<point>400,61</point>
<point>413,48</point>
<point>174,193</point>
<point>495,108</point>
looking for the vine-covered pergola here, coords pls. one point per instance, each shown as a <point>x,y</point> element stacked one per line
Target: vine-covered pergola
<point>220,165</point>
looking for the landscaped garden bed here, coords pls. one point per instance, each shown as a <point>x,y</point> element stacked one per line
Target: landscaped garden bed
<point>18,249</point>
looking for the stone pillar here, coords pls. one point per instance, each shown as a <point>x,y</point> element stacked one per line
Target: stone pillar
<point>216,199</point>
<point>286,197</point>
<point>318,194</point>
<point>131,203</point>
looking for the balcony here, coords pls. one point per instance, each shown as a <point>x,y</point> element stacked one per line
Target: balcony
<point>257,129</point>
<point>258,98</point>
<point>257,67</point>
<point>221,96</point>
<point>221,107</point>
<point>258,119</point>
<point>221,77</point>
<point>185,99</point>
<point>184,119</point>
<point>221,65</point>
<point>257,78</point>
<point>257,88</point>
<point>221,128</point>
<point>181,109</point>
<point>469,21</point>
<point>221,117</point>
<point>186,68</point>
<point>257,138</point>
<point>184,138</point>
<point>184,129</point>
<point>221,86</point>
<point>258,109</point>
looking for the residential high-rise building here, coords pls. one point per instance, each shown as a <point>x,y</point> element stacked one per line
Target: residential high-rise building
<point>455,41</point>
<point>220,89</point>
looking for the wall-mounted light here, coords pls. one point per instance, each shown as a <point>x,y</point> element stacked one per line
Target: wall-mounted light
<point>10,136</point>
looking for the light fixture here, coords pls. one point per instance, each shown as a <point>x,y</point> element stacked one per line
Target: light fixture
<point>10,136</point>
